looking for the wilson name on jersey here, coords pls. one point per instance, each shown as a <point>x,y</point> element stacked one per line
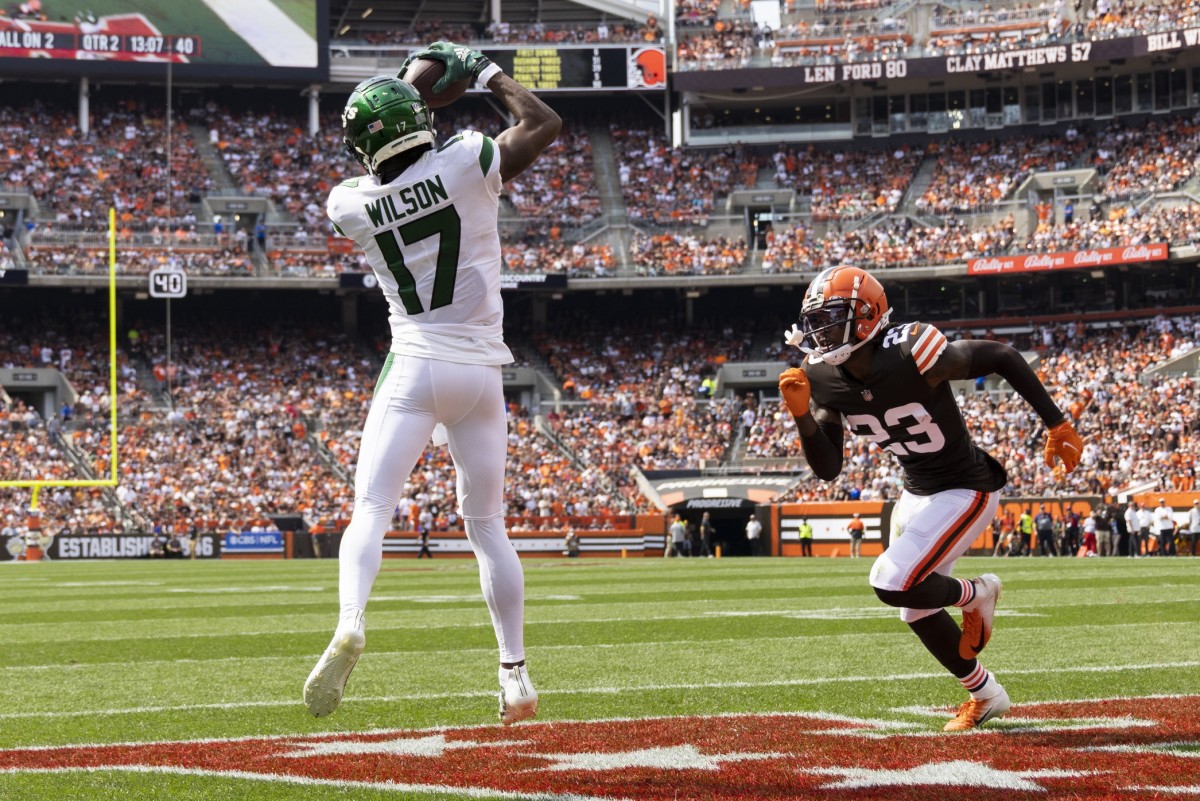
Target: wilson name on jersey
<point>431,238</point>
<point>897,410</point>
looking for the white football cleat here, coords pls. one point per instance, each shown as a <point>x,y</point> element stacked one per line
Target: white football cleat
<point>518,699</point>
<point>325,685</point>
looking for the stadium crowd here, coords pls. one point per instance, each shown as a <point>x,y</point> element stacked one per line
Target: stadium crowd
<point>845,184</point>
<point>267,421</point>
<point>120,162</point>
<point>559,258</point>
<point>680,253</point>
<point>671,186</point>
<point>268,154</point>
<point>970,175</point>
<point>1112,19</point>
<point>898,242</point>
<point>974,29</point>
<point>81,260</point>
<point>561,184</point>
<point>1178,225</point>
<point>422,32</point>
<point>1158,155</point>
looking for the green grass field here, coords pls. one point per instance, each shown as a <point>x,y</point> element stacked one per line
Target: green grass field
<point>143,652</point>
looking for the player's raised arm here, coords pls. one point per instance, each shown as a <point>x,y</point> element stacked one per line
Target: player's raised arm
<point>537,126</point>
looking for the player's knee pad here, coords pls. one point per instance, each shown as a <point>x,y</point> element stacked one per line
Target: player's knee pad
<point>886,575</point>
<point>372,505</point>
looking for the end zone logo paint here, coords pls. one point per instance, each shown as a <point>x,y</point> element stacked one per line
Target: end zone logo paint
<point>1114,749</point>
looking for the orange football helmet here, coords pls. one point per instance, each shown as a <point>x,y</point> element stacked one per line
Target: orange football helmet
<point>843,309</point>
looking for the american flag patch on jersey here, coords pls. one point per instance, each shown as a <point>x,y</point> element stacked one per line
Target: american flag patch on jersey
<point>929,346</point>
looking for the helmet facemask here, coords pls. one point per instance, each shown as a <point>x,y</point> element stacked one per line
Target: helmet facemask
<point>833,328</point>
<point>830,326</point>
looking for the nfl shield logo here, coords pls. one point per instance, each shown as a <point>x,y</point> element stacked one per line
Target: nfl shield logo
<point>867,396</point>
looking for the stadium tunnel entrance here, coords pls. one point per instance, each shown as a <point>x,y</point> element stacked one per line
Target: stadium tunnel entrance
<point>729,498</point>
<point>728,517</point>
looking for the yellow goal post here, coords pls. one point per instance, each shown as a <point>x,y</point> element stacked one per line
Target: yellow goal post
<point>111,481</point>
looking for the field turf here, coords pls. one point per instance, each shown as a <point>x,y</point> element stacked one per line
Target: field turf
<point>142,652</point>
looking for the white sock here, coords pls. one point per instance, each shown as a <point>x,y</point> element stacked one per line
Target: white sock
<point>503,583</point>
<point>351,618</point>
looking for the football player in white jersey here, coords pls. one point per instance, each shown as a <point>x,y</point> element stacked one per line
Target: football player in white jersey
<point>426,217</point>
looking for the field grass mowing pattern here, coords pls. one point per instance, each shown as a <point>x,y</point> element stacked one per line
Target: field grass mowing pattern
<point>112,652</point>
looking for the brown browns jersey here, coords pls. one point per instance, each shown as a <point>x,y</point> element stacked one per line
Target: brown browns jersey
<point>897,410</point>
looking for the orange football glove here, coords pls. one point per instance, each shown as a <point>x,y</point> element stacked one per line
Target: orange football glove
<point>1064,443</point>
<point>793,383</point>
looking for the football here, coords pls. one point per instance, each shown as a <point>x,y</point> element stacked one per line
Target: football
<point>423,73</point>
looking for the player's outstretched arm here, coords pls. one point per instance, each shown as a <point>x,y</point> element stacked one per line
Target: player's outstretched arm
<point>975,358</point>
<point>537,126</point>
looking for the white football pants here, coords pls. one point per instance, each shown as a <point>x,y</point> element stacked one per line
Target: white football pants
<point>413,395</point>
<point>929,534</point>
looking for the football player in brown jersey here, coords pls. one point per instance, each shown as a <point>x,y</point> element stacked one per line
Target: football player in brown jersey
<point>890,382</point>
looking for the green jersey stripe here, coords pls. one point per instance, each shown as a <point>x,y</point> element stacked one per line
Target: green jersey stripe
<point>486,154</point>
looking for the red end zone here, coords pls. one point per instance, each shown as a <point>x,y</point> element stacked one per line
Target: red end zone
<point>1115,749</point>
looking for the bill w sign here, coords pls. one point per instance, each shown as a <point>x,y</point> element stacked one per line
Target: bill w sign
<point>1123,748</point>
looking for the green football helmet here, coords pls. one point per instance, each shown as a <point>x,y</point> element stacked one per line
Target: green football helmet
<point>384,116</point>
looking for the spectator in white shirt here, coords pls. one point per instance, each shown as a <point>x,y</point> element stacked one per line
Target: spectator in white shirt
<point>1164,528</point>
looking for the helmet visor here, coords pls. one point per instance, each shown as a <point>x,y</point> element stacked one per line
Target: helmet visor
<point>825,327</point>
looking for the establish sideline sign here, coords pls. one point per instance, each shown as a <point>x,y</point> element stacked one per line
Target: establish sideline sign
<point>120,546</point>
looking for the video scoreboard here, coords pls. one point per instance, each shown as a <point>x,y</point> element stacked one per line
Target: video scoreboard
<point>73,44</point>
<point>281,39</point>
<point>583,67</point>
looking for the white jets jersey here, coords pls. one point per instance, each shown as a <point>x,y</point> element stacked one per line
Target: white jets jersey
<point>431,239</point>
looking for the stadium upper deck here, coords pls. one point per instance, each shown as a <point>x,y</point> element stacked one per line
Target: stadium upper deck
<point>930,168</point>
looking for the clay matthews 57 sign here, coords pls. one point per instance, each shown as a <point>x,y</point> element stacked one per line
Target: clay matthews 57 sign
<point>1075,259</point>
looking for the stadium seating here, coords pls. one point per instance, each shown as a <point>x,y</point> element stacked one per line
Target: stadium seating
<point>668,186</point>
<point>261,420</point>
<point>847,184</point>
<point>267,420</point>
<point>549,208</point>
<point>120,162</point>
<point>1110,20</point>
